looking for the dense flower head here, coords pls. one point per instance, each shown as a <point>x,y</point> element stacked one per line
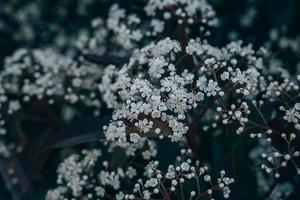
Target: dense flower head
<point>163,98</point>
<point>162,92</point>
<point>78,172</point>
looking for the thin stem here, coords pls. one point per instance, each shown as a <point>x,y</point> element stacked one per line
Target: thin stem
<point>261,115</point>
<point>198,185</point>
<point>181,191</point>
<point>164,191</point>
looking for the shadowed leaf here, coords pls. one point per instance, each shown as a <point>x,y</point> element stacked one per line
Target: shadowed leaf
<point>107,60</point>
<point>85,130</point>
<point>23,184</point>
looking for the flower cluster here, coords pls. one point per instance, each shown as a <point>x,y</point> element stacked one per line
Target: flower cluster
<point>167,91</point>
<point>195,12</point>
<point>293,115</point>
<point>77,179</point>
<point>152,106</point>
<point>183,172</point>
<point>45,74</point>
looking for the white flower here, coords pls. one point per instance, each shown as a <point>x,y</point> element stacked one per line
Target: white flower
<point>134,137</point>
<point>185,166</point>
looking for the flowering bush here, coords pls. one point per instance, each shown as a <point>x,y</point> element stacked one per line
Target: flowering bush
<point>145,103</point>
